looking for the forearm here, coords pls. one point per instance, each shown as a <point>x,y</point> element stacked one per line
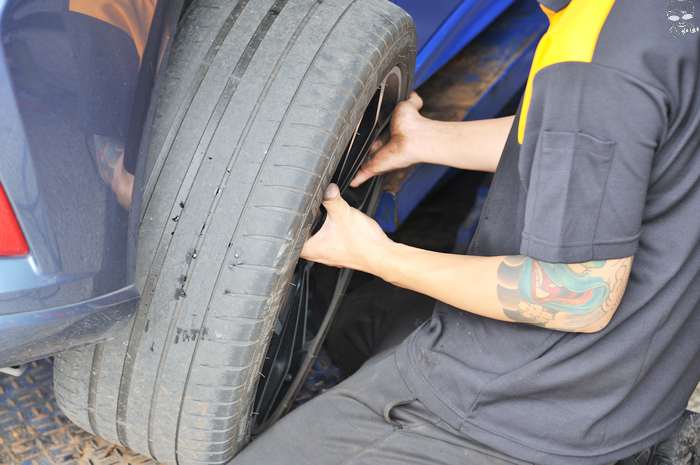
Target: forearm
<point>466,282</point>
<point>579,297</point>
<point>511,288</point>
<point>473,145</point>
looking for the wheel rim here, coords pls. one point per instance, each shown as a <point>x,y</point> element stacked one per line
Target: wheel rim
<point>314,291</point>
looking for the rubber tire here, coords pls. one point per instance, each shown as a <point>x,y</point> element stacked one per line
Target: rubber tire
<point>259,103</point>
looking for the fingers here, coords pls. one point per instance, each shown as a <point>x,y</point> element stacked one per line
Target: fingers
<point>387,158</point>
<point>383,151</point>
<point>378,163</point>
<point>372,165</point>
<point>363,175</point>
<point>348,237</point>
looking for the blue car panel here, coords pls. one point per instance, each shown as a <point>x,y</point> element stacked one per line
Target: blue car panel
<point>445,27</point>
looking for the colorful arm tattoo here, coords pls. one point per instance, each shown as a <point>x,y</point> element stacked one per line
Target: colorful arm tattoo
<point>560,296</point>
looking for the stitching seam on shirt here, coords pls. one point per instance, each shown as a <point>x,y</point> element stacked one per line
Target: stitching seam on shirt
<point>540,241</point>
<point>552,451</point>
<point>425,382</point>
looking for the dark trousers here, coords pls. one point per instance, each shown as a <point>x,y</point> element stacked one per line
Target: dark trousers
<point>372,417</point>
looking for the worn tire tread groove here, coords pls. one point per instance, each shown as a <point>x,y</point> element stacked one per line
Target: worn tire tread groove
<point>257,237</point>
<point>326,110</point>
<point>183,110</point>
<point>98,352</point>
<point>307,149</point>
<point>250,296</point>
<point>236,342</point>
<point>227,367</point>
<point>368,44</point>
<point>300,169</point>
<point>344,73</point>
<point>288,189</point>
<point>237,318</point>
<point>355,55</point>
<point>318,128</point>
<point>276,209</point>
<point>193,88</point>
<point>270,80</point>
<point>239,71</point>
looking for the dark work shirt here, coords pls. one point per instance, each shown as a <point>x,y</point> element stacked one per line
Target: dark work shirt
<point>602,163</point>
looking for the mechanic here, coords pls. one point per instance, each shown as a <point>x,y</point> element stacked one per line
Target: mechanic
<point>532,354</point>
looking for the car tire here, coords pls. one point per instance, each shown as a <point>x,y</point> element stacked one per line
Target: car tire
<point>263,104</point>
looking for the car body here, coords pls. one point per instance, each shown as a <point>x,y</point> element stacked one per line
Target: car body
<point>71,72</point>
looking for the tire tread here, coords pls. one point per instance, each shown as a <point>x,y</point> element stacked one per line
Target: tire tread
<point>214,193</point>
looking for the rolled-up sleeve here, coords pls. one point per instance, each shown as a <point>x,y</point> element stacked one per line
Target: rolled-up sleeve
<point>585,162</point>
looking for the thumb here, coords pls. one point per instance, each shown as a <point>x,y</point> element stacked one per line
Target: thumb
<point>334,203</point>
<point>332,199</point>
<point>415,100</point>
<point>331,206</point>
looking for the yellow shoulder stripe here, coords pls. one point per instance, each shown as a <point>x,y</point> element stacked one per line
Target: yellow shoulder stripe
<point>572,36</point>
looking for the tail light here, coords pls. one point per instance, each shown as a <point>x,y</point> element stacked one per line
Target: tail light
<point>11,239</point>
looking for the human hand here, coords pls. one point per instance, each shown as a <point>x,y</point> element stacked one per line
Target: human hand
<point>403,148</point>
<point>348,237</point>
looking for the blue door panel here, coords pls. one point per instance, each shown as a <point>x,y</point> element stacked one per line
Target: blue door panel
<point>445,27</point>
<point>428,16</point>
